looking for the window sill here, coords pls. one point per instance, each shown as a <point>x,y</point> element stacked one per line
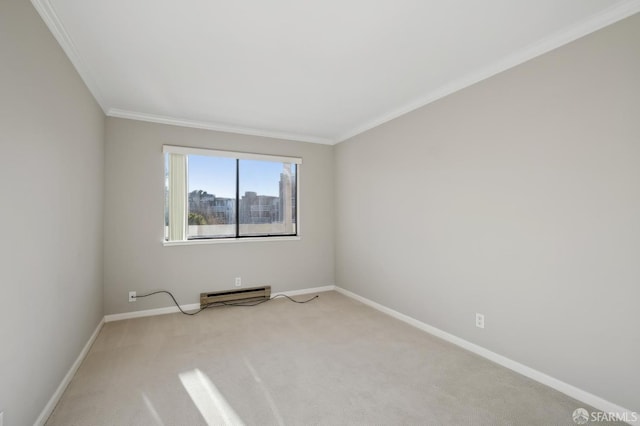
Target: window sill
<point>228,241</point>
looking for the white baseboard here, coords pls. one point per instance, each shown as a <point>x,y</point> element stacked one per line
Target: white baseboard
<point>151,312</point>
<point>196,306</point>
<point>51,405</point>
<point>293,293</point>
<point>567,389</point>
<point>545,379</point>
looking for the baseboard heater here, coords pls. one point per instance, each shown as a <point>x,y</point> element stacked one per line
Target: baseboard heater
<point>231,296</point>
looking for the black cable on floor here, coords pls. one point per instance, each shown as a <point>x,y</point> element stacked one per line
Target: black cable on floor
<point>267,300</point>
<point>213,305</point>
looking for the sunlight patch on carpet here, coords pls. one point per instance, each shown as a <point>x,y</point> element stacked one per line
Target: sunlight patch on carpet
<point>212,405</point>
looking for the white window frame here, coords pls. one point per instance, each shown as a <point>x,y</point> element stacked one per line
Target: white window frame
<point>184,150</point>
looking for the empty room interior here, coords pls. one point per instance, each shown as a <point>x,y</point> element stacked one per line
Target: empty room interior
<point>292,213</point>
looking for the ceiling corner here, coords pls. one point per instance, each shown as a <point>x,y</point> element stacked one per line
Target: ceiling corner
<point>48,14</point>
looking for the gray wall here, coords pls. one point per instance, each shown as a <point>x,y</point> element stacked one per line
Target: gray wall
<point>51,183</point>
<point>135,258</point>
<point>518,198</point>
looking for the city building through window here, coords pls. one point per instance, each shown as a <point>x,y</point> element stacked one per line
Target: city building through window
<point>213,194</point>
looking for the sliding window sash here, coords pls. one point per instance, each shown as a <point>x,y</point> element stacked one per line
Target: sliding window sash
<point>178,186</point>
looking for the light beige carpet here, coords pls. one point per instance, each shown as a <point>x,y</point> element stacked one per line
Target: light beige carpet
<point>333,361</point>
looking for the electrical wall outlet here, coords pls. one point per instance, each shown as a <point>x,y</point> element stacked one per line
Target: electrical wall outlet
<point>238,281</point>
<point>479,320</point>
<point>132,296</point>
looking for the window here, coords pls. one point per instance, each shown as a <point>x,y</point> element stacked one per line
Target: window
<point>221,195</point>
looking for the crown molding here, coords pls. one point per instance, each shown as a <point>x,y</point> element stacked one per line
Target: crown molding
<point>208,125</point>
<point>599,21</point>
<point>48,14</point>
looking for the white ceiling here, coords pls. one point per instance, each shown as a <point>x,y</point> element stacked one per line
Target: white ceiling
<point>316,71</point>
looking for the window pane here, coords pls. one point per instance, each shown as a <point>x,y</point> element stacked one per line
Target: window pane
<point>267,198</point>
<point>211,200</point>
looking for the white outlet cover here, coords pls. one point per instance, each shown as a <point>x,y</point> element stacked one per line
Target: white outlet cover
<point>479,320</point>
